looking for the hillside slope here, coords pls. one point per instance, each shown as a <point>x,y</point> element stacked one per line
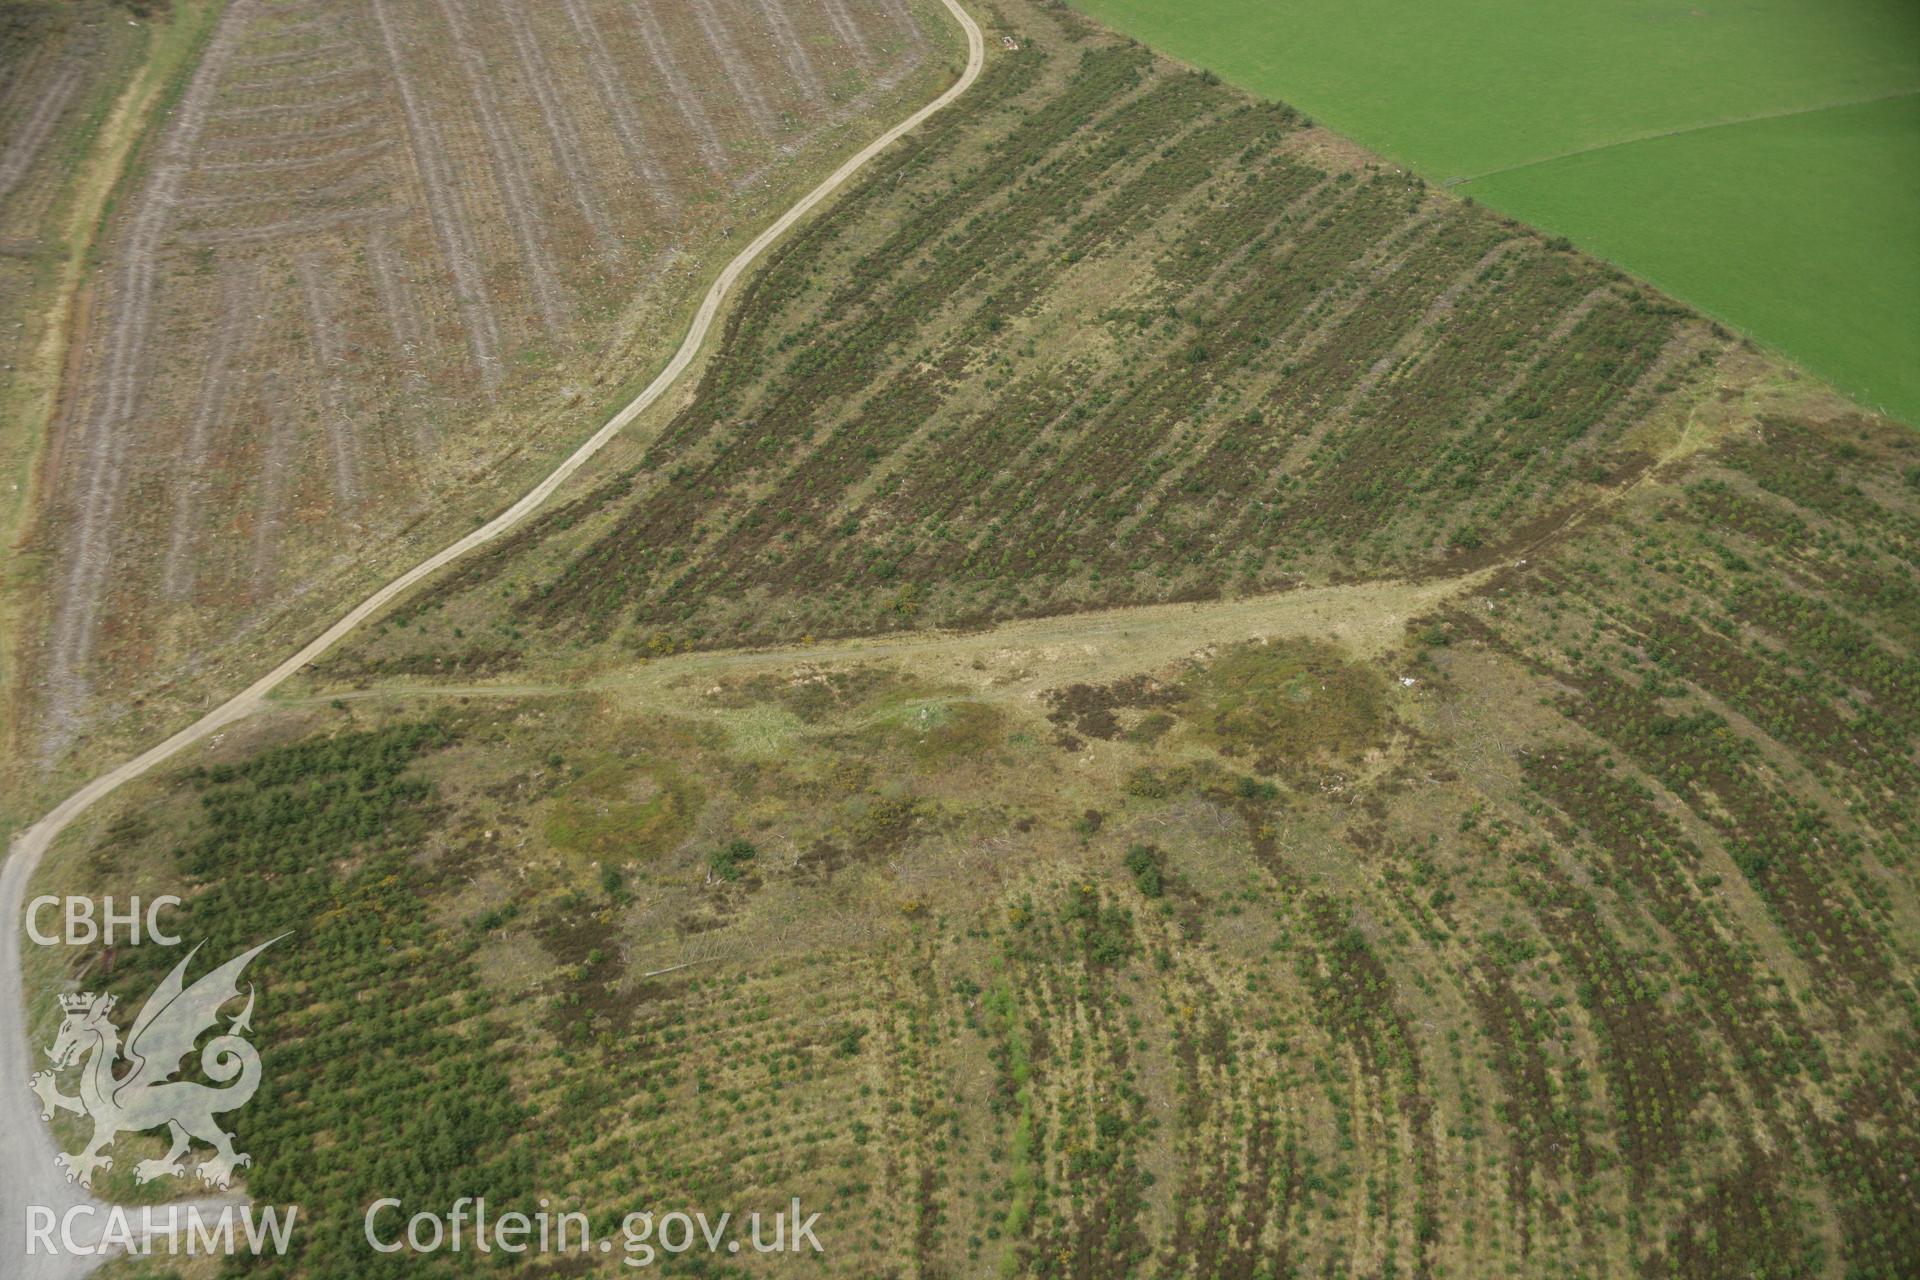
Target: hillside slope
<point>1111,333</point>
<point>1421,782</point>
<point>380,264</point>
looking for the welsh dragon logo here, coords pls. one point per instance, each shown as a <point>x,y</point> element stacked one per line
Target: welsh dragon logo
<point>144,1095</point>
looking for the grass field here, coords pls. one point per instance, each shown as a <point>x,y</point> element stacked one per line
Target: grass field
<point>1774,258</point>
<point>1778,227</point>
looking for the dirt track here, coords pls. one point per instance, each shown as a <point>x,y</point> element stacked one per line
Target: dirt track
<point>27,1172</point>
<point>1023,657</point>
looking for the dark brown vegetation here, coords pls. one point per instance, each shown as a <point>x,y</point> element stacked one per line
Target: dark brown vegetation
<point>1106,333</point>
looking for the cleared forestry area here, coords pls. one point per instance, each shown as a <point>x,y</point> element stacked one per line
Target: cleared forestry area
<point>380,262</point>
<point>78,83</point>
<point>1561,924</point>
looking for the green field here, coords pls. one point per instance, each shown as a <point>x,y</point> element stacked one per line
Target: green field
<point>1725,152</point>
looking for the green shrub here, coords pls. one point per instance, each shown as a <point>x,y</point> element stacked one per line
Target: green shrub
<point>1143,862</point>
<point>730,861</point>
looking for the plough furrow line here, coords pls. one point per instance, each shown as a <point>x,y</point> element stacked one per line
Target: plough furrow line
<point>509,175</point>
<point>744,87</point>
<point>713,153</point>
<point>620,112</point>
<point>446,211</point>
<point>559,126</point>
<point>238,297</point>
